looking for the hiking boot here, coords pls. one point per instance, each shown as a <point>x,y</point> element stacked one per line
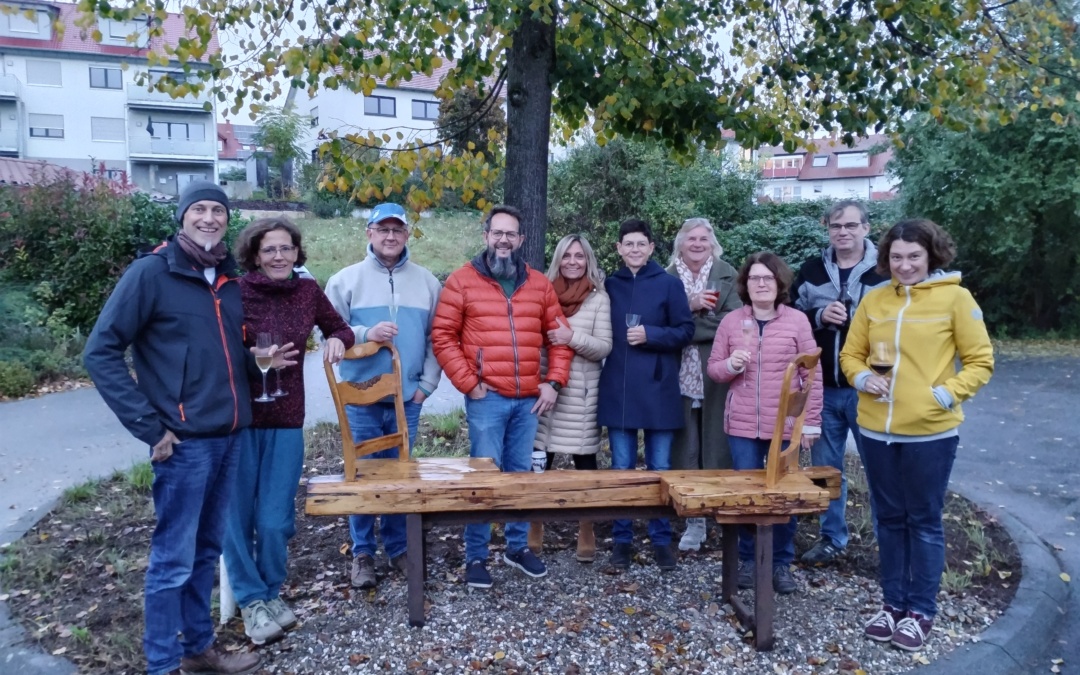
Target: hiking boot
<point>281,614</point>
<point>477,575</point>
<point>586,542</point>
<point>621,555</point>
<point>883,624</point>
<point>259,624</point>
<point>782,581</point>
<point>400,563</point>
<point>694,536</point>
<point>746,574</point>
<point>823,552</point>
<point>665,559</point>
<point>363,571</point>
<point>536,537</point>
<point>215,661</point>
<point>911,632</point>
<point>526,561</point>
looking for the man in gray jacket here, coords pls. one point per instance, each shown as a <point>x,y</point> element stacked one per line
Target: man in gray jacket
<point>828,289</point>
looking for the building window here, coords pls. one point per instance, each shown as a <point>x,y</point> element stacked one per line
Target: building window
<point>180,131</point>
<point>382,106</point>
<point>850,160</point>
<point>19,22</point>
<point>777,194</point>
<point>818,188</point>
<point>821,160</point>
<point>425,110</point>
<point>107,129</point>
<point>46,73</point>
<point>105,78</point>
<point>314,115</point>
<point>220,145</point>
<point>46,126</point>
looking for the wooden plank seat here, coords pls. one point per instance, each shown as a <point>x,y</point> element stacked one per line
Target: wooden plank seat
<point>458,491</point>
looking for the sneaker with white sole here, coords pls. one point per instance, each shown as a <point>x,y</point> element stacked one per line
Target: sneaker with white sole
<point>912,632</point>
<point>526,561</point>
<point>281,614</point>
<point>694,536</point>
<point>259,625</point>
<point>882,625</point>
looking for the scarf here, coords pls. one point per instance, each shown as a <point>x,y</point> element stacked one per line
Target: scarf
<point>198,254</point>
<point>572,293</point>
<point>691,380</point>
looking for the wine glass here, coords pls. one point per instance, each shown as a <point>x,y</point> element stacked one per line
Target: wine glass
<point>264,343</point>
<point>749,332</point>
<point>633,320</point>
<point>278,392</point>
<point>395,301</point>
<point>882,360</point>
<point>713,289</point>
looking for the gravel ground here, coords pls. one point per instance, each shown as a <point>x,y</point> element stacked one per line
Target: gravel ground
<point>588,619</point>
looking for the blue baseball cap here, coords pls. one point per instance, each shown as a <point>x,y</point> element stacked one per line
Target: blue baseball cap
<point>387,211</point>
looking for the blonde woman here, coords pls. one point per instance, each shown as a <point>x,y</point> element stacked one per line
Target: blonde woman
<point>709,283</point>
<point>571,427</point>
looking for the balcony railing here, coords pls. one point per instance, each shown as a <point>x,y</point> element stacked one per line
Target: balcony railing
<point>143,144</point>
<point>10,87</point>
<point>139,95</point>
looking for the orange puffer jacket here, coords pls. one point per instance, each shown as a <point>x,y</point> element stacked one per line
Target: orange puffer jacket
<point>480,334</point>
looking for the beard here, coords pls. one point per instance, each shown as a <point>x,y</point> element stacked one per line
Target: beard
<point>502,268</point>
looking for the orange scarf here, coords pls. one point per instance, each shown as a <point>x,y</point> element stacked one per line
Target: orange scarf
<point>572,293</point>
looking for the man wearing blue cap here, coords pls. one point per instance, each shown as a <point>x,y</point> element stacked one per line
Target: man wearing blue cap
<point>386,297</point>
<point>179,310</point>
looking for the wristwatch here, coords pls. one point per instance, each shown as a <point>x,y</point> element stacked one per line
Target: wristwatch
<point>555,385</point>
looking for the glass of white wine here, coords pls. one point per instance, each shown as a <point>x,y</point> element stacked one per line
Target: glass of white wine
<point>882,360</point>
<point>633,320</point>
<point>264,343</point>
<point>749,332</point>
<point>278,392</point>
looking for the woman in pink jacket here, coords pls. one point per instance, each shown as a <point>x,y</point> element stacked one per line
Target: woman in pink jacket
<point>752,349</point>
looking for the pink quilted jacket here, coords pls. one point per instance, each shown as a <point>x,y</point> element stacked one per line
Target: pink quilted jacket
<point>754,395</point>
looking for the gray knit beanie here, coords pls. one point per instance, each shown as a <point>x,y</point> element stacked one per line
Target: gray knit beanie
<point>197,191</point>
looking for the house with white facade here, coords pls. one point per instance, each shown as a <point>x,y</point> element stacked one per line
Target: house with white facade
<point>74,102</point>
<point>832,171</point>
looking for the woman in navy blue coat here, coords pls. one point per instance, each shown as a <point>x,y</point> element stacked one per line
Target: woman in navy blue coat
<point>639,385</point>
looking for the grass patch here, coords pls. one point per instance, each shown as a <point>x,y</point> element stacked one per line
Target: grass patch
<point>449,239</point>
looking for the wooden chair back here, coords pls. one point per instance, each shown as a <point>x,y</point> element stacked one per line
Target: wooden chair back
<point>792,407</point>
<point>375,390</point>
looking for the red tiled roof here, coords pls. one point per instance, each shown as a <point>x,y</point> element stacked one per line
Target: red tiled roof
<point>230,144</point>
<point>26,171</point>
<point>74,41</point>
<point>832,148</point>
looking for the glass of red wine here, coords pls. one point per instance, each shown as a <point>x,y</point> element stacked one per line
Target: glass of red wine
<point>882,360</point>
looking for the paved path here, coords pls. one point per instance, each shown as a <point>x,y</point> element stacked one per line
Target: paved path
<point>1018,455</point>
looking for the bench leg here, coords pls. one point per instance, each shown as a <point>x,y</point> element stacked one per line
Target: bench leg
<point>417,566</point>
<point>729,579</point>
<point>764,602</point>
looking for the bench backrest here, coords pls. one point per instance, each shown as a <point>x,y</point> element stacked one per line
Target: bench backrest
<point>792,411</point>
<point>376,390</point>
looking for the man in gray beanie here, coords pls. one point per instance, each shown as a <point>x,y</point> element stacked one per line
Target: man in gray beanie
<point>179,310</point>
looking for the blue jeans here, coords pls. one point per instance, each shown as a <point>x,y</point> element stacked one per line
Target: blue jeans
<point>262,517</point>
<point>837,418</point>
<point>657,458</point>
<point>748,454</point>
<point>503,429</point>
<point>191,493</point>
<point>373,421</point>
<point>907,486</point>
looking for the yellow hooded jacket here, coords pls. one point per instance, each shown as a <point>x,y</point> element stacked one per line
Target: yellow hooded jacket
<point>929,325</point>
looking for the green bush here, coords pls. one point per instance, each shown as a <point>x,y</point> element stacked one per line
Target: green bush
<point>15,379</point>
<point>326,204</point>
<point>795,239</point>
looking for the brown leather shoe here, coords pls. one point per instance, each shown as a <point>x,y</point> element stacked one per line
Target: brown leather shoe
<point>586,542</point>
<point>536,537</point>
<point>216,661</point>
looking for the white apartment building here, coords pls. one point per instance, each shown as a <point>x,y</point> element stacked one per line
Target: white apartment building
<point>833,171</point>
<point>74,102</point>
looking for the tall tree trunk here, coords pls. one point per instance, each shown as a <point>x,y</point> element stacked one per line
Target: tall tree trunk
<point>530,63</point>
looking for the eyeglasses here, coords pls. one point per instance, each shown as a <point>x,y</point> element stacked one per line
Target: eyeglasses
<point>274,250</point>
<point>387,231</point>
<point>763,279</point>
<point>499,234</point>
<point>850,227</point>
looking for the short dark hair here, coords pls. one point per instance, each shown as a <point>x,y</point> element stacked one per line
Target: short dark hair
<point>776,265</point>
<point>501,208</point>
<point>250,239</point>
<point>940,248</point>
<point>632,225</point>
<point>838,207</point>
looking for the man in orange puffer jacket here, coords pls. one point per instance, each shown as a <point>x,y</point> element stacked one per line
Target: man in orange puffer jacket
<point>490,325</point>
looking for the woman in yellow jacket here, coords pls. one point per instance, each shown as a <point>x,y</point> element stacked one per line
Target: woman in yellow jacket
<point>921,322</point>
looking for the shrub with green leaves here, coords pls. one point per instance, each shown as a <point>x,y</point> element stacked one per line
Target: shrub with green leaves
<point>15,379</point>
<point>795,239</point>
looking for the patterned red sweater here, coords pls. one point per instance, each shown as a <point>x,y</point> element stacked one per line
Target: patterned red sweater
<point>290,307</point>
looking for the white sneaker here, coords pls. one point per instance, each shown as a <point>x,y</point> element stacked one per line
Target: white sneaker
<point>259,625</point>
<point>281,614</point>
<point>694,535</point>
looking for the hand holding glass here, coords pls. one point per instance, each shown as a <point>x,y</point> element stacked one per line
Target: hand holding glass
<point>264,357</point>
<point>712,289</point>
<point>882,360</point>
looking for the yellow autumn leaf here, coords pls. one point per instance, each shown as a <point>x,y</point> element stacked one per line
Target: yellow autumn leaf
<point>630,610</point>
<point>500,656</point>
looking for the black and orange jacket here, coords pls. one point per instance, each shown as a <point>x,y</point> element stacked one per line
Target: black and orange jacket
<point>187,343</point>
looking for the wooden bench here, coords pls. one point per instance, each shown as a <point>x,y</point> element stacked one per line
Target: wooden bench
<point>458,491</point>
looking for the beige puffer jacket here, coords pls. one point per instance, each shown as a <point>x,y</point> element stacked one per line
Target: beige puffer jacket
<point>571,427</point>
